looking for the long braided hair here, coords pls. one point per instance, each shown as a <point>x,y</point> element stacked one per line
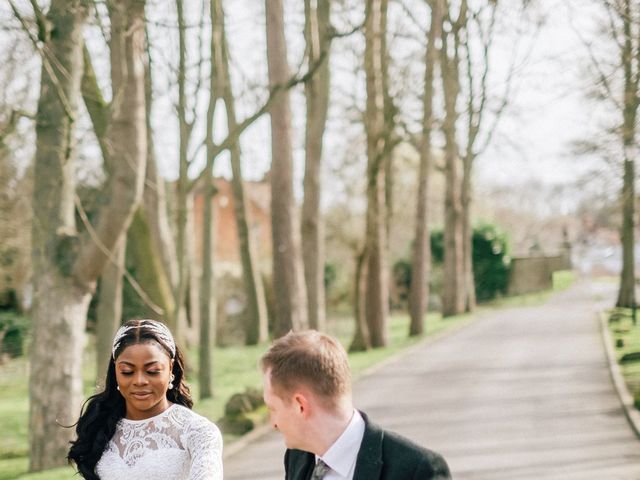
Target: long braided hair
<point>102,412</point>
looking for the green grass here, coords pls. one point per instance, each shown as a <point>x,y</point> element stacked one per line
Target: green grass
<point>629,333</point>
<point>235,369</point>
<point>561,280</point>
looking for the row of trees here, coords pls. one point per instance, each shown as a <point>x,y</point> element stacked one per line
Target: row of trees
<point>74,248</point>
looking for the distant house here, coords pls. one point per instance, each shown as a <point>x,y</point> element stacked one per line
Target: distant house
<point>226,242</point>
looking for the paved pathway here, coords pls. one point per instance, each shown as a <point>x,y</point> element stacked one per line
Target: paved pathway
<point>520,394</point>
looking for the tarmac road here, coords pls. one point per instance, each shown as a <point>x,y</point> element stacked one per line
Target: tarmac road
<point>521,393</point>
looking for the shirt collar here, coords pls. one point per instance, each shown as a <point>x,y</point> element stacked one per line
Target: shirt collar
<point>342,455</point>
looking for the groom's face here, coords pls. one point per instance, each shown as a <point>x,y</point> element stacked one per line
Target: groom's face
<point>285,414</point>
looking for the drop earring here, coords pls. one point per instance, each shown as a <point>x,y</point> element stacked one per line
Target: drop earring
<point>118,387</point>
<point>171,382</point>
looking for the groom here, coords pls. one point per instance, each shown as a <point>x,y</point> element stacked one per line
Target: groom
<point>307,388</point>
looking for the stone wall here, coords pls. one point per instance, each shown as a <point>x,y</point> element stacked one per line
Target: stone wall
<point>535,273</point>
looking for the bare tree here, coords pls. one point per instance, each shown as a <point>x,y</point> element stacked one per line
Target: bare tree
<point>617,73</point>
<point>484,21</point>
<point>468,42</point>
<point>377,289</point>
<point>453,288</point>
<point>288,278</point>
<point>630,62</point>
<point>421,259</point>
<point>318,41</point>
<point>257,321</point>
<point>182,186</point>
<point>207,291</point>
<point>66,265</point>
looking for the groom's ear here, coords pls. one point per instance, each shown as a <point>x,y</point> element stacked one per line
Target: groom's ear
<point>301,403</point>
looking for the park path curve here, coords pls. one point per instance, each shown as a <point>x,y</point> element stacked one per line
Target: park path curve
<point>520,394</point>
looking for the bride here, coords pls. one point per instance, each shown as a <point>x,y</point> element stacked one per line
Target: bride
<point>142,426</point>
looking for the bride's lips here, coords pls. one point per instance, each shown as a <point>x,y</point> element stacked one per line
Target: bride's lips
<point>141,395</point>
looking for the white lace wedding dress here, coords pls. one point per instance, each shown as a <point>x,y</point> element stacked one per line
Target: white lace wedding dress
<point>177,444</point>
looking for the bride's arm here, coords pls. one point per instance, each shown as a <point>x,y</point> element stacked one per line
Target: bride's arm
<point>205,449</point>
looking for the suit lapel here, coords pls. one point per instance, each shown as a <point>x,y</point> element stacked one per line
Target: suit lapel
<point>369,461</point>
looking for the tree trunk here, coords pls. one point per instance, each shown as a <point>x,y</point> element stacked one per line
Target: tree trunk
<point>626,293</point>
<point>207,278</point>
<point>467,235</point>
<point>257,326</point>
<point>377,289</point>
<point>55,383</point>
<point>318,41</point>
<point>208,294</point>
<point>150,272</point>
<point>389,111</point>
<point>190,319</point>
<point>60,307</point>
<point>421,260</point>
<point>66,267</point>
<point>288,279</point>
<point>155,204</point>
<point>109,311</point>
<point>183,180</point>
<point>257,322</point>
<point>361,340</point>
<point>126,137</point>
<point>453,288</point>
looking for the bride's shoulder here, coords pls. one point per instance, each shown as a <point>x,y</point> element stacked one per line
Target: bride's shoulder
<point>191,420</point>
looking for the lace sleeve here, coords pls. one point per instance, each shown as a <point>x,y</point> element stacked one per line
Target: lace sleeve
<point>204,444</point>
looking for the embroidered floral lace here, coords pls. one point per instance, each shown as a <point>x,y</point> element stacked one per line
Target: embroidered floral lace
<point>177,444</point>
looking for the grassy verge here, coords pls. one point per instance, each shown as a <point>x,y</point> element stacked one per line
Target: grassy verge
<point>626,338</point>
<point>235,369</point>
<point>561,280</point>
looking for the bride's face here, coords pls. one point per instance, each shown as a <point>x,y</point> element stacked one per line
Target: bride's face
<point>143,374</point>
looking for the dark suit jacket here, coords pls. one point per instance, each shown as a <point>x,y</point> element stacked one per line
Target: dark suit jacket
<point>383,456</point>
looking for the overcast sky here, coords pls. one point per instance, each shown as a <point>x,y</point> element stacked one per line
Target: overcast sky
<point>550,111</point>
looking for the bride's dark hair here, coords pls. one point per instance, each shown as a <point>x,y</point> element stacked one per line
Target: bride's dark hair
<point>102,411</point>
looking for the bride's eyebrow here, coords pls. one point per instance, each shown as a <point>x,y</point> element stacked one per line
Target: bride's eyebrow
<point>124,362</point>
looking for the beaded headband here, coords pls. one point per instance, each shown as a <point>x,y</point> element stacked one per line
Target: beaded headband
<point>160,329</point>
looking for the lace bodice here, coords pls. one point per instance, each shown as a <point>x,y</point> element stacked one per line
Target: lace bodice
<point>177,444</point>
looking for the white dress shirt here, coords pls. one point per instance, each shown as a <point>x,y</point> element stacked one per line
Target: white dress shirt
<point>342,455</point>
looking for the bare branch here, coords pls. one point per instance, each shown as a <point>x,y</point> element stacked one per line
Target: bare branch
<point>411,15</point>
<point>98,108</point>
<point>111,257</point>
<point>274,93</point>
<point>45,63</point>
<point>596,64</point>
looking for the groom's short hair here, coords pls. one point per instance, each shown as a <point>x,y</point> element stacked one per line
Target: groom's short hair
<point>310,358</point>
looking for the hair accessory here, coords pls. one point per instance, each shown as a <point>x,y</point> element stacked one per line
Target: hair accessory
<point>160,329</point>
